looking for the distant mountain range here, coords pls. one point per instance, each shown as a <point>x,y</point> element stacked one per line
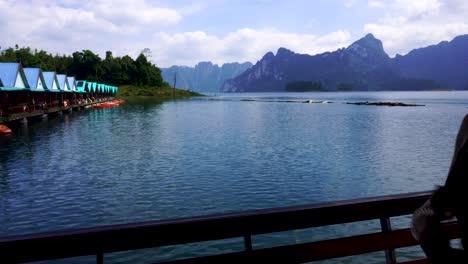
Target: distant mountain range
<point>363,66</point>
<point>204,77</point>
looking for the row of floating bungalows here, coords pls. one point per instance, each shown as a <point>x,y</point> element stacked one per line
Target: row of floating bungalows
<point>27,92</point>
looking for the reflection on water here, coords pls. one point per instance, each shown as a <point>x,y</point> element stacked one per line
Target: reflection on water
<point>147,161</point>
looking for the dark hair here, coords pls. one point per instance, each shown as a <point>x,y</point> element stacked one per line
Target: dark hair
<point>453,196</point>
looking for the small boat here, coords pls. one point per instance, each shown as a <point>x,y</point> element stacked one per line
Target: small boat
<point>108,104</point>
<point>4,130</point>
<point>100,105</point>
<point>113,103</point>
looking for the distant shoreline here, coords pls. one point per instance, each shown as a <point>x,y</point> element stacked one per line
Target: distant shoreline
<point>157,93</point>
<point>438,90</point>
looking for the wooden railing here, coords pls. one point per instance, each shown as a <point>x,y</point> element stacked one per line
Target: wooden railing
<point>105,239</point>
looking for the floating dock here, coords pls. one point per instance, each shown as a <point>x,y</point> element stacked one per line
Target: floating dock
<point>30,92</point>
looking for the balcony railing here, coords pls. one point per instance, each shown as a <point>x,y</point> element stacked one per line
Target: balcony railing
<point>106,239</point>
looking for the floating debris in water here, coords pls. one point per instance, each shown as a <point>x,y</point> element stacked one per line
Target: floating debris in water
<point>317,102</point>
<point>383,103</point>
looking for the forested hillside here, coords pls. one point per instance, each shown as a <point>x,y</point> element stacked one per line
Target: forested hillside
<point>86,65</point>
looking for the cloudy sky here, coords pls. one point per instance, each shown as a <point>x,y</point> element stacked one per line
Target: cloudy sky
<point>183,32</point>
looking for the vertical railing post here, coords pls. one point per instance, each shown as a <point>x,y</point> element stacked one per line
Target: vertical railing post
<point>386,228</point>
<point>248,242</point>
<point>100,258</point>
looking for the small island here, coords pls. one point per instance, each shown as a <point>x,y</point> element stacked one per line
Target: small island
<point>383,103</point>
<point>164,92</point>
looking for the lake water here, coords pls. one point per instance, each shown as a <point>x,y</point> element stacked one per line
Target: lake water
<point>146,161</point>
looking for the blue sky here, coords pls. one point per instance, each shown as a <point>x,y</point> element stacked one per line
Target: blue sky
<point>316,17</point>
<point>181,32</point>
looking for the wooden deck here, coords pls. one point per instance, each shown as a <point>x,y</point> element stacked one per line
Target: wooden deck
<point>33,111</point>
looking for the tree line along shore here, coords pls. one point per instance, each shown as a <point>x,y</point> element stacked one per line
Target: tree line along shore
<point>136,77</point>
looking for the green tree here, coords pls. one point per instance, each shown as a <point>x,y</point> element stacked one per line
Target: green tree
<point>86,65</point>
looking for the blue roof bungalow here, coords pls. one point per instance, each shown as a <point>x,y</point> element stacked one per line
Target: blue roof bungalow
<point>72,83</point>
<point>35,79</point>
<point>67,98</point>
<point>12,77</point>
<point>14,80</point>
<point>81,86</point>
<point>91,87</point>
<point>38,86</point>
<point>51,81</point>
<point>50,78</point>
<point>63,83</point>
<point>30,90</point>
<point>73,96</point>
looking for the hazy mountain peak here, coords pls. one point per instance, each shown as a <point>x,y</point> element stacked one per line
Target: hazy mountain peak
<point>368,46</point>
<point>268,55</point>
<point>461,38</point>
<point>205,76</point>
<point>369,42</point>
<point>363,65</point>
<point>205,64</point>
<point>370,36</point>
<point>283,52</point>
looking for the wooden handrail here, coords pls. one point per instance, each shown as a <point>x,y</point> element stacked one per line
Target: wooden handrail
<point>123,237</point>
<point>320,250</point>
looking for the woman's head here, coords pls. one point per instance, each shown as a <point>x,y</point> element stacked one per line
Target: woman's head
<point>454,195</point>
<point>457,179</point>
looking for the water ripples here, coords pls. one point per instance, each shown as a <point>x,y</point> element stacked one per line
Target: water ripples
<point>147,161</point>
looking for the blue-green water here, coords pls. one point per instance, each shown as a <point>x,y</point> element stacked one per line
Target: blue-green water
<point>147,161</point>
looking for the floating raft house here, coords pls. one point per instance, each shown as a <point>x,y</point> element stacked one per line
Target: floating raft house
<point>26,92</point>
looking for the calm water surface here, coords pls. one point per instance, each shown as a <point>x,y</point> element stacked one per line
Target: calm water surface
<point>147,161</point>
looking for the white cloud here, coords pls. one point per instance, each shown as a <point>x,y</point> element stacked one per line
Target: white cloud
<point>349,3</point>
<point>413,24</point>
<point>245,44</point>
<point>69,25</point>
<point>133,14</point>
<point>376,3</point>
<point>127,27</point>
